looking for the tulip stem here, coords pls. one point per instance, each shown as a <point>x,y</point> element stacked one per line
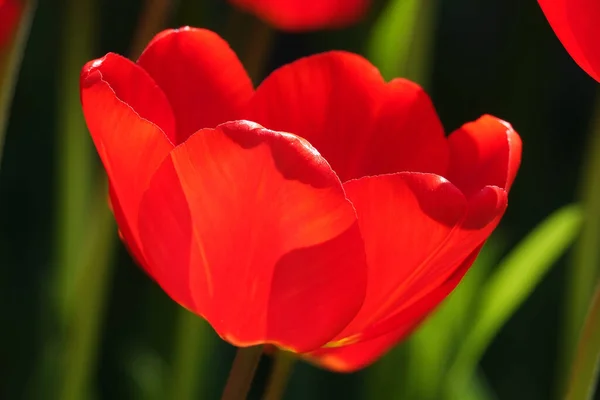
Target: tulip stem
<point>10,64</point>
<point>281,372</point>
<point>242,372</point>
<point>584,372</point>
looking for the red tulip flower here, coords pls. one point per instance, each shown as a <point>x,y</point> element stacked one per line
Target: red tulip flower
<point>575,22</point>
<point>10,12</point>
<point>331,225</point>
<point>306,15</point>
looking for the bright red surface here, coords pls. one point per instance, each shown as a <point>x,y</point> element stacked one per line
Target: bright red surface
<point>336,251</point>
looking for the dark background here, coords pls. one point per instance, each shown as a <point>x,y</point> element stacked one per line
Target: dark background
<point>495,56</point>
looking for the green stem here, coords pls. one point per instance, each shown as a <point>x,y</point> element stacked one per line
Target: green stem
<point>154,16</point>
<point>283,366</point>
<point>87,311</point>
<point>75,162</point>
<point>583,271</point>
<point>242,373</point>
<point>190,355</point>
<point>584,372</point>
<point>252,39</point>
<point>256,51</point>
<point>10,71</point>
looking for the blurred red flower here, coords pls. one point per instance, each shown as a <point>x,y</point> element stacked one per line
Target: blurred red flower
<point>10,12</point>
<point>306,15</point>
<point>337,250</point>
<point>575,22</point>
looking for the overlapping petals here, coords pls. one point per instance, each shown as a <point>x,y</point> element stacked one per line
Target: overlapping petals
<point>575,22</point>
<point>306,15</point>
<point>10,12</point>
<point>336,251</point>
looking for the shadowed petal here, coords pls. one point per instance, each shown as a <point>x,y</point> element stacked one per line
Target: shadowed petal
<point>418,229</point>
<point>251,229</point>
<point>359,355</point>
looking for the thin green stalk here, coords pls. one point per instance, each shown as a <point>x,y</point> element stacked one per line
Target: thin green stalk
<point>281,372</point>
<point>252,39</point>
<point>87,311</point>
<point>75,158</point>
<point>583,271</point>
<point>584,372</point>
<point>258,47</point>
<point>10,71</point>
<point>191,342</point>
<point>242,373</point>
<point>153,17</point>
<point>87,232</point>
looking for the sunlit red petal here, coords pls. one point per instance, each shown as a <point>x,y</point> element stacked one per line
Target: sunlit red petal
<point>10,12</point>
<point>202,77</point>
<point>303,15</point>
<point>339,102</point>
<point>356,356</point>
<point>486,152</point>
<point>126,114</point>
<point>575,22</point>
<point>251,229</point>
<point>418,229</point>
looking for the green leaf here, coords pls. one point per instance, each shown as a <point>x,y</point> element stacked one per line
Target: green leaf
<point>515,278</point>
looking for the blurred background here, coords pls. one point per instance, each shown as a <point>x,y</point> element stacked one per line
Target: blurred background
<point>78,319</point>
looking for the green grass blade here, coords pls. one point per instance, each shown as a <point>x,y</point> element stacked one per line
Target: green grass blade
<point>76,164</point>
<point>509,286</point>
<point>583,271</point>
<point>191,353</point>
<point>9,72</point>
<point>80,340</point>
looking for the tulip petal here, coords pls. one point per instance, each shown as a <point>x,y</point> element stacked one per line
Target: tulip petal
<point>202,77</point>
<point>250,228</point>
<point>303,15</point>
<point>408,135</point>
<point>575,22</point>
<point>418,229</point>
<point>359,355</point>
<point>486,152</point>
<point>339,102</point>
<point>10,12</point>
<point>128,118</point>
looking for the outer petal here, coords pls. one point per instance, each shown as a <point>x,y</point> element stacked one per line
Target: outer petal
<point>128,118</point>
<point>486,152</point>
<point>359,355</point>
<point>575,22</point>
<point>204,80</point>
<point>251,229</point>
<point>339,102</point>
<point>304,15</point>
<point>10,12</point>
<point>418,229</point>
